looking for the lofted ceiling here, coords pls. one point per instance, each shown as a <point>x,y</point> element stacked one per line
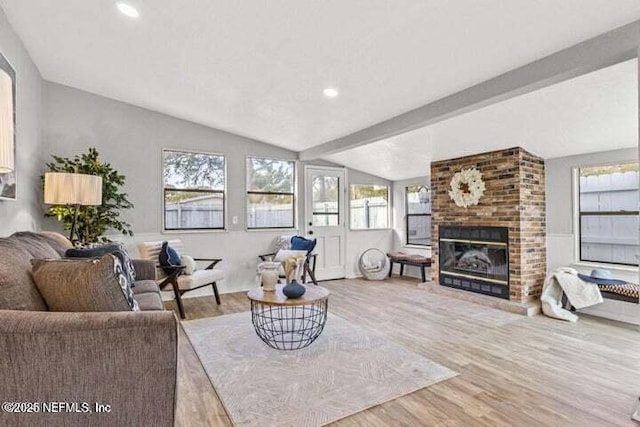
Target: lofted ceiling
<point>591,113</point>
<point>258,69</point>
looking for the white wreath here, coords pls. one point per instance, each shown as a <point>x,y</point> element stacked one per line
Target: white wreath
<point>473,180</point>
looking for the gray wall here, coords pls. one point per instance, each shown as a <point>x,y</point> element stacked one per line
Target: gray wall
<point>132,138</point>
<point>26,212</point>
<point>559,184</point>
<point>561,250</point>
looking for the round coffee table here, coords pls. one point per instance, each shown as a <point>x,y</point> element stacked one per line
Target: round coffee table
<point>289,324</point>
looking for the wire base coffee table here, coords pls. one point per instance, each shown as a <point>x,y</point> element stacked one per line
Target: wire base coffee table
<point>289,324</point>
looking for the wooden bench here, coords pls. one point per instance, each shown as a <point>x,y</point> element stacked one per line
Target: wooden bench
<point>406,259</point>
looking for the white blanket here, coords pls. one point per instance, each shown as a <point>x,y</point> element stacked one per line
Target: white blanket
<point>579,293</point>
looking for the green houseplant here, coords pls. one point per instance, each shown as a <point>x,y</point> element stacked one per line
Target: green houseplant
<point>93,221</point>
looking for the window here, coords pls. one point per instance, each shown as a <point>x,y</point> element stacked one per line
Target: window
<point>193,186</point>
<point>325,196</point>
<point>608,214</point>
<point>270,193</point>
<point>418,218</point>
<point>369,207</point>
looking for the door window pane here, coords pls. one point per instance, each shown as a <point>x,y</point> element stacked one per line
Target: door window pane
<point>324,193</point>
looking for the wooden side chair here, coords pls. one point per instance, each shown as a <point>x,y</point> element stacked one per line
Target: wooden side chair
<point>178,281</point>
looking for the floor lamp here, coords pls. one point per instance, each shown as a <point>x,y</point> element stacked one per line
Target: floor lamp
<point>72,189</point>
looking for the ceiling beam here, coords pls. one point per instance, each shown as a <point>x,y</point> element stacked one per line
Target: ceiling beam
<point>607,49</point>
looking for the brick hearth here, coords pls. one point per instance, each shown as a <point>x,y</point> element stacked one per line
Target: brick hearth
<point>514,198</point>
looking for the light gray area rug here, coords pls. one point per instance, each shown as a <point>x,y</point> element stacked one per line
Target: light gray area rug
<point>346,370</point>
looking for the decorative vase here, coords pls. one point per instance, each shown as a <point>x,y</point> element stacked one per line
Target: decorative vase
<point>294,290</point>
<point>269,275</point>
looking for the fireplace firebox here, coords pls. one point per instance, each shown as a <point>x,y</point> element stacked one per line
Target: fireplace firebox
<point>475,259</point>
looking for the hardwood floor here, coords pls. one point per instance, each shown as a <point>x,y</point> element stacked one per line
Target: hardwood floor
<point>514,370</point>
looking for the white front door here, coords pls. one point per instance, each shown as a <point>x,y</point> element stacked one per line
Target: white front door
<point>325,219</point>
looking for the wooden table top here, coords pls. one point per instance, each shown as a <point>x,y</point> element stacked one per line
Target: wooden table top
<point>314,293</point>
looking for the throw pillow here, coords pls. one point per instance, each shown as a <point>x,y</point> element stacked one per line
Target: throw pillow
<point>168,258</point>
<point>116,249</point>
<point>81,285</point>
<point>282,243</point>
<point>189,264</point>
<point>299,243</point>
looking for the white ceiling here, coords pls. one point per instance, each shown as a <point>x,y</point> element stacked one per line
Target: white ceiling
<point>594,112</point>
<point>257,68</point>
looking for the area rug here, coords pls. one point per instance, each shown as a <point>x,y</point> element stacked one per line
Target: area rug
<point>346,370</point>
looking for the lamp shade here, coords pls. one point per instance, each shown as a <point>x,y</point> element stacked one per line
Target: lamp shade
<point>7,130</point>
<point>72,189</point>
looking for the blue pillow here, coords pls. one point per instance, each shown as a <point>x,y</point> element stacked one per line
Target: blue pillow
<point>168,258</point>
<point>299,243</point>
<point>116,249</point>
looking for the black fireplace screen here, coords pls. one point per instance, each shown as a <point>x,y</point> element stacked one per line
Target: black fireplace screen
<point>484,260</point>
<point>475,259</point>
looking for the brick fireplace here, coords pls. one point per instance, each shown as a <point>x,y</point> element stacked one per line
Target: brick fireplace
<point>514,201</point>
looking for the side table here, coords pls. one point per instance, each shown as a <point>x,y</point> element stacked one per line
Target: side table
<point>289,324</point>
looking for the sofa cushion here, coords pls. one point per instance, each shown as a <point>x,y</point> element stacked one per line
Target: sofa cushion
<point>36,245</point>
<point>17,288</point>
<point>150,301</point>
<point>84,284</point>
<point>57,241</point>
<point>145,286</point>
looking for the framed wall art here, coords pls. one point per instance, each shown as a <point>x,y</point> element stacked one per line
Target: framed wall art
<point>8,179</point>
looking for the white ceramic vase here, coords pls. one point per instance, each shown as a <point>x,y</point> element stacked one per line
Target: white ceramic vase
<point>269,276</point>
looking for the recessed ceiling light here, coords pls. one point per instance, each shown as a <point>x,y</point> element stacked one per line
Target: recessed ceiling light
<point>128,10</point>
<point>330,92</point>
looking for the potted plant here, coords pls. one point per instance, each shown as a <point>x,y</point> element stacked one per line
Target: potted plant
<point>93,221</point>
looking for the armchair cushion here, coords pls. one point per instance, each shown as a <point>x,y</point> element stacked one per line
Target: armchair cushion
<point>84,285</point>
<point>199,278</point>
<point>299,243</point>
<point>150,251</point>
<point>168,258</point>
<point>189,264</point>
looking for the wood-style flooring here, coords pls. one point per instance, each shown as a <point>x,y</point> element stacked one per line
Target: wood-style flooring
<point>514,370</point>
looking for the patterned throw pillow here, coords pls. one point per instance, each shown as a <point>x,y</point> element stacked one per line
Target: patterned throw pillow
<point>168,258</point>
<point>123,280</point>
<point>117,249</point>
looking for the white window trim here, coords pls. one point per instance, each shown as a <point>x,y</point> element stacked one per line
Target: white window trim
<point>224,194</point>
<point>575,200</point>
<point>405,220</point>
<point>388,227</point>
<point>296,208</point>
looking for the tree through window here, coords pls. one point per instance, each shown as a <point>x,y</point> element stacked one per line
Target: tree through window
<point>270,193</point>
<point>194,190</point>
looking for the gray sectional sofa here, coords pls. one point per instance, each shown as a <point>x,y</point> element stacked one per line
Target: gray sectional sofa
<point>124,360</point>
